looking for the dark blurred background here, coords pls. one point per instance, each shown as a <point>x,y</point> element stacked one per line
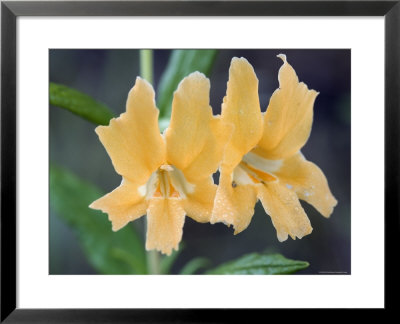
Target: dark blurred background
<point>108,75</point>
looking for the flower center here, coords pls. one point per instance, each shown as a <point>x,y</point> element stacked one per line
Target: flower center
<point>255,169</point>
<point>166,182</point>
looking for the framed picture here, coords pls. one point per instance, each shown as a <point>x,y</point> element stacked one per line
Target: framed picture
<point>76,77</point>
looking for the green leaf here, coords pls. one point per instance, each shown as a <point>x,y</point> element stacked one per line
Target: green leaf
<point>260,263</point>
<point>79,104</point>
<point>181,63</point>
<point>195,265</point>
<point>109,252</point>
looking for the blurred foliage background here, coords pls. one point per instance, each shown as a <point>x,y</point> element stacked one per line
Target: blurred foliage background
<point>108,75</point>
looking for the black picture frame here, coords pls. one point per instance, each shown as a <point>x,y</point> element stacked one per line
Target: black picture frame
<point>11,10</point>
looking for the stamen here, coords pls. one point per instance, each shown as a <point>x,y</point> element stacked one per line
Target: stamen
<point>167,182</point>
<point>259,175</point>
<point>248,173</point>
<point>164,183</point>
<point>167,167</point>
<point>259,163</point>
<point>152,187</point>
<point>180,183</point>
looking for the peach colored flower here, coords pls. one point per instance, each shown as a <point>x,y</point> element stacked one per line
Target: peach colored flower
<point>165,176</point>
<point>262,159</point>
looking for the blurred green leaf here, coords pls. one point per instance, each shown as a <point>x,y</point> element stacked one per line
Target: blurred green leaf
<point>181,63</point>
<point>109,252</point>
<point>195,265</point>
<point>260,263</point>
<point>80,104</point>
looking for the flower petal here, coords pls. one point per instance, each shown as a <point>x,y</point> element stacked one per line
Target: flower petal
<point>234,205</point>
<point>123,205</point>
<point>165,219</point>
<point>285,210</point>
<point>288,119</point>
<point>199,204</point>
<point>309,182</point>
<point>133,140</point>
<point>241,108</point>
<point>193,142</point>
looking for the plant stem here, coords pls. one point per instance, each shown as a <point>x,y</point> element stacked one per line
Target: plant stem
<point>153,262</point>
<point>146,71</point>
<point>146,64</point>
